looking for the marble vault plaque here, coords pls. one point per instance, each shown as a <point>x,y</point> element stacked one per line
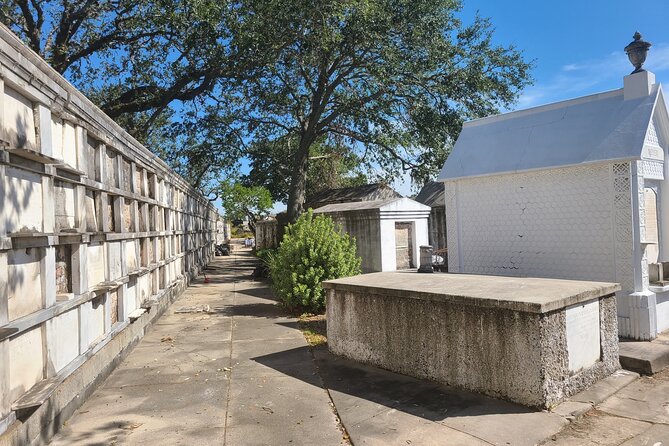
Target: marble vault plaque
<point>583,335</point>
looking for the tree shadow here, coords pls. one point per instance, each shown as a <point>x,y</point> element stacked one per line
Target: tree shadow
<point>264,310</point>
<point>262,292</point>
<point>357,381</point>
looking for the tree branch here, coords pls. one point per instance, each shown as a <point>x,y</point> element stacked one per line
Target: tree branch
<point>365,140</point>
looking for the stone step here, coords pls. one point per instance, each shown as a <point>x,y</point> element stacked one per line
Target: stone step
<point>645,357</point>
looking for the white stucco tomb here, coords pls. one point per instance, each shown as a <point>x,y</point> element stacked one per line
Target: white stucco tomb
<point>574,190</point>
<point>388,233</point>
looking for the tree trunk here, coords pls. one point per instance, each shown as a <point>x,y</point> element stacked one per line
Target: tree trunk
<point>298,180</point>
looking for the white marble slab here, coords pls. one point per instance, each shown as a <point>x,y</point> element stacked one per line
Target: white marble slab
<point>583,342</point>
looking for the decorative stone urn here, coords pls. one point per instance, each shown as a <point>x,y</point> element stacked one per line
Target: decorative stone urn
<point>637,51</point>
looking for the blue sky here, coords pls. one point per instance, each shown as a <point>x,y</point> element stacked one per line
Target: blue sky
<point>577,46</point>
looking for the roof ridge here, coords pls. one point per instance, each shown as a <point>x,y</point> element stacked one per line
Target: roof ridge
<point>544,107</point>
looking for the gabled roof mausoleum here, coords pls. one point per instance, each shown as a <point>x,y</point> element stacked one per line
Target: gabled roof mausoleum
<point>388,233</point>
<point>571,190</point>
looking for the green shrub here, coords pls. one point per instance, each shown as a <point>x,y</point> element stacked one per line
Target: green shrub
<point>312,250</point>
<point>266,254</point>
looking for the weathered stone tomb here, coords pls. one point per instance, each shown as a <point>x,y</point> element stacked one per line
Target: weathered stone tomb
<point>388,233</point>
<point>531,341</point>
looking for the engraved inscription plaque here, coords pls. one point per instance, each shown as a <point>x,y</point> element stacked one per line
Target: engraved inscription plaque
<point>583,335</point>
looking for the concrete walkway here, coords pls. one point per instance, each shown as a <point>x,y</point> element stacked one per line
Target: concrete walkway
<point>242,374</point>
<point>637,415</point>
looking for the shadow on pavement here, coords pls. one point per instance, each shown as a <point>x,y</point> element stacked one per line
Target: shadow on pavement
<point>262,292</point>
<point>425,399</point>
<point>269,311</point>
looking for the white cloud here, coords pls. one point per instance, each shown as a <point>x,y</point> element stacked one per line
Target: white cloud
<point>570,67</point>
<point>587,77</point>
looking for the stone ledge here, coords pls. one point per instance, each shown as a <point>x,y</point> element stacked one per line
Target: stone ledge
<point>644,357</point>
<point>530,295</point>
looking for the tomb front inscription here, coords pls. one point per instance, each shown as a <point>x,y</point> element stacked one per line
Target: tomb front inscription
<point>583,342</point>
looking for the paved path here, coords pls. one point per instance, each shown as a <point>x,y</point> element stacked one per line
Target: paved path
<point>239,375</point>
<point>242,374</point>
<point>637,415</point>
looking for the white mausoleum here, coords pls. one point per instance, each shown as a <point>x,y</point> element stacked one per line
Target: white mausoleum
<point>575,190</point>
<point>388,233</point>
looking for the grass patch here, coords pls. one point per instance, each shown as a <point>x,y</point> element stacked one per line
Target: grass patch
<point>314,328</point>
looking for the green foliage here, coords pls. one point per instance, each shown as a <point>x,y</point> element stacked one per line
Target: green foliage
<point>133,57</point>
<point>388,80</point>
<point>319,91</point>
<point>330,167</point>
<point>266,255</point>
<point>148,64</point>
<point>240,202</point>
<point>312,250</point>
<point>238,232</point>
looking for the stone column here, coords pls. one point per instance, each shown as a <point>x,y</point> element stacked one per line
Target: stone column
<point>79,271</point>
<point>642,305</point>
<point>100,163</point>
<point>119,221</point>
<point>83,162</point>
<point>80,211</point>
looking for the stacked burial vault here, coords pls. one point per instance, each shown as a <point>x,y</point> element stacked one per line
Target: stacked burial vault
<point>94,230</point>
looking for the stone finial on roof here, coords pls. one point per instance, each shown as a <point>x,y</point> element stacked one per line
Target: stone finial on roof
<point>637,51</point>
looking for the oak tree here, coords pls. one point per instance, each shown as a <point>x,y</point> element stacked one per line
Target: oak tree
<point>390,80</point>
<point>134,58</point>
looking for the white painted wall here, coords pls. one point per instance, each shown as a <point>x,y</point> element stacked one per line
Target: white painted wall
<point>419,235</point>
<point>96,264</point>
<point>553,223</point>
<point>21,209</point>
<point>662,311</point>
<point>571,223</point>
<point>18,119</point>
<point>62,331</point>
<point>64,206</point>
<point>24,282</point>
<point>25,362</point>
<point>70,145</point>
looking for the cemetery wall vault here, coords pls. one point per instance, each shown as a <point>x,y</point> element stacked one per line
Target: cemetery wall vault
<point>94,230</point>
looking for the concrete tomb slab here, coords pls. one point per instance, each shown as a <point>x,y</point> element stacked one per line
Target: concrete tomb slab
<point>61,330</point>
<point>96,264</point>
<point>19,119</point>
<point>22,210</point>
<point>527,340</point>
<point>25,362</point>
<point>24,278</point>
